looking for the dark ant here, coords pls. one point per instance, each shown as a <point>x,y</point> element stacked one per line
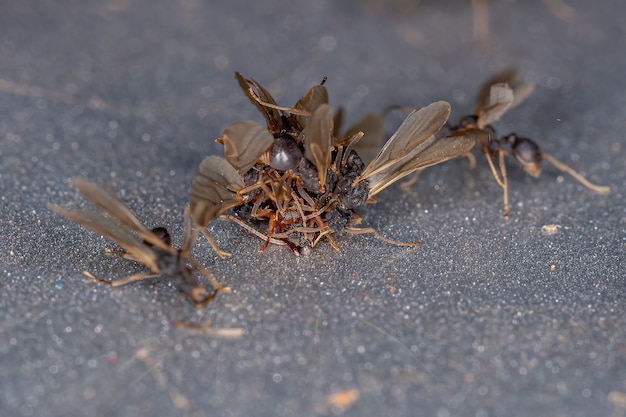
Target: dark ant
<point>149,247</point>
<point>498,95</point>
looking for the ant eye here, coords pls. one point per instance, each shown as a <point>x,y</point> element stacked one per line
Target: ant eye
<point>285,153</point>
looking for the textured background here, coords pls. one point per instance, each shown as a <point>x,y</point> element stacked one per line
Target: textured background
<point>487,318</point>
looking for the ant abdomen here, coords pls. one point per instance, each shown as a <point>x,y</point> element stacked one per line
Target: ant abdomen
<point>526,152</point>
<point>286,154</point>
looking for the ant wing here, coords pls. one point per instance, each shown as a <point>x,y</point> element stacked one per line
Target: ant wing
<point>214,189</point>
<point>244,143</point>
<point>441,150</point>
<point>521,90</point>
<point>337,122</point>
<point>373,135</point>
<point>498,101</point>
<point>310,101</point>
<point>190,234</point>
<point>506,76</point>
<point>112,230</point>
<point>317,137</point>
<point>114,207</point>
<point>272,116</point>
<point>415,133</point>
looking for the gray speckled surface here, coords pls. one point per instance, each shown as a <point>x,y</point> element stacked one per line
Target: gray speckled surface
<point>487,318</point>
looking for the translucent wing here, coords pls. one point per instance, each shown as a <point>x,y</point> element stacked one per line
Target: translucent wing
<point>190,234</point>
<point>214,189</point>
<point>441,150</point>
<point>114,207</point>
<point>110,229</point>
<point>317,137</point>
<point>499,101</point>
<point>506,76</point>
<point>337,121</point>
<point>484,100</point>
<point>310,101</point>
<point>414,134</point>
<point>521,90</point>
<point>244,143</point>
<point>373,135</point>
<point>272,116</point>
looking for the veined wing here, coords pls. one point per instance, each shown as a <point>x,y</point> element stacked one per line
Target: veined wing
<point>415,133</point>
<point>373,135</point>
<point>499,101</point>
<point>110,229</point>
<point>310,101</point>
<point>214,189</point>
<point>244,143</point>
<point>317,137</point>
<point>441,150</point>
<point>272,116</point>
<point>190,234</point>
<point>114,207</point>
<point>521,89</point>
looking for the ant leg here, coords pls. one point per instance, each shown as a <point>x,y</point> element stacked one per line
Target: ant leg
<point>561,10</point>
<point>502,182</point>
<point>505,181</point>
<point>471,158</point>
<point>251,229</point>
<point>214,282</point>
<point>480,16</point>
<point>406,184</point>
<point>221,253</point>
<point>123,281</point>
<point>208,329</point>
<point>291,110</point>
<point>270,231</point>
<point>324,231</point>
<point>566,168</point>
<point>359,231</point>
<point>123,254</point>
<point>494,172</point>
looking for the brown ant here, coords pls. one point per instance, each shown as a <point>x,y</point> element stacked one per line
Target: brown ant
<point>149,247</point>
<point>498,95</point>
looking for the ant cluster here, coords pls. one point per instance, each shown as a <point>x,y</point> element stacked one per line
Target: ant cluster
<point>297,180</point>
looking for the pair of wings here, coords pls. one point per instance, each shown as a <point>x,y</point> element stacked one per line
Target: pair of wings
<point>415,146</point>
<point>121,226</point>
<point>246,141</point>
<point>499,94</point>
<point>277,116</point>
